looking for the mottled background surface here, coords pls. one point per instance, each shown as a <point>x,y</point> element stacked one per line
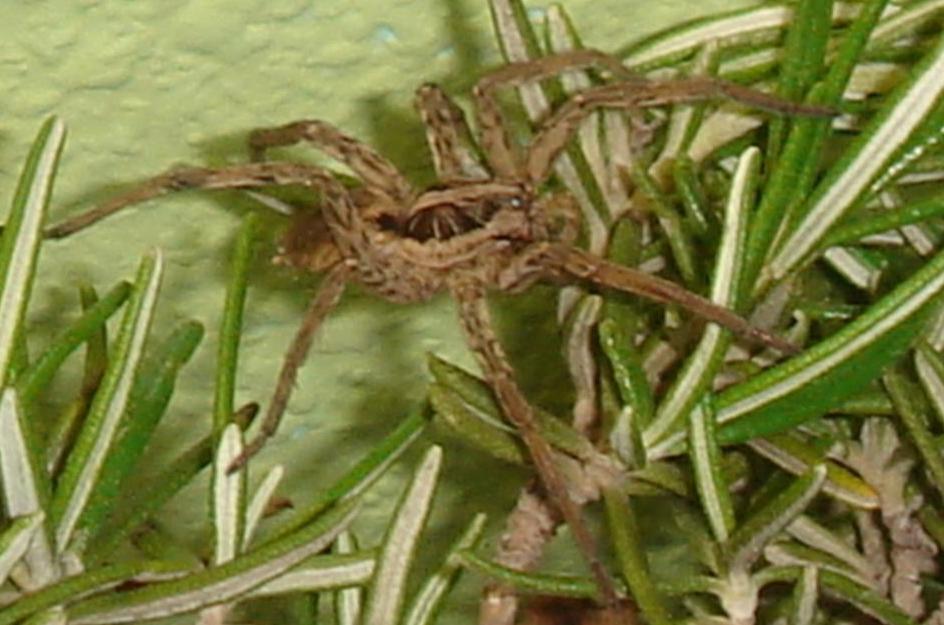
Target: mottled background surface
<point>146,85</point>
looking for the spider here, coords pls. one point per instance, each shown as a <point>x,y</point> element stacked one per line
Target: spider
<point>487,225</point>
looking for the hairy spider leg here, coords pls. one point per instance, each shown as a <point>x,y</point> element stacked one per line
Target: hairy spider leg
<point>372,167</point>
<point>448,136</point>
<point>556,132</point>
<point>480,333</point>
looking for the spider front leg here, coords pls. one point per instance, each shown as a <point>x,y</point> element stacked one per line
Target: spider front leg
<point>558,129</point>
<point>500,151</point>
<point>477,324</point>
<point>372,167</point>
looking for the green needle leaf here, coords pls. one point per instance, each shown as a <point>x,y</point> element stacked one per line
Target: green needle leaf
<point>83,468</point>
<point>388,587</point>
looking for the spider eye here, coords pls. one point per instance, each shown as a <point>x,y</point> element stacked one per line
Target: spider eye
<point>516,202</point>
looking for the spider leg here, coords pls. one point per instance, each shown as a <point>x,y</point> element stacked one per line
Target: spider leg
<point>558,129</point>
<point>324,301</point>
<point>448,136</point>
<point>251,175</point>
<point>576,263</point>
<point>501,153</point>
<point>373,168</point>
<point>523,72</point>
<point>477,324</point>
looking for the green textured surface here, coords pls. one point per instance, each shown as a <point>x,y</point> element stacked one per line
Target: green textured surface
<point>146,85</point>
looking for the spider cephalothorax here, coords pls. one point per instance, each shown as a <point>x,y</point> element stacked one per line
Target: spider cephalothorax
<point>465,227</point>
<point>446,212</point>
<point>485,226</point>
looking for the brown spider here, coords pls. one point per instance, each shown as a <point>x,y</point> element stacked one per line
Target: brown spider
<point>483,227</point>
